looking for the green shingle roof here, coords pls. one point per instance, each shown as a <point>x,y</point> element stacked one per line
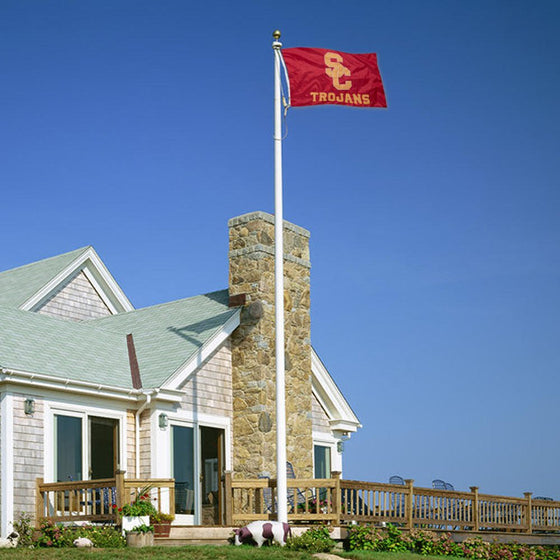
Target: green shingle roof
<point>168,335</point>
<point>19,284</point>
<point>36,343</point>
<point>165,337</point>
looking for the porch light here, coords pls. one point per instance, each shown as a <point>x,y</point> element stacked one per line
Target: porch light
<point>29,406</point>
<point>163,421</point>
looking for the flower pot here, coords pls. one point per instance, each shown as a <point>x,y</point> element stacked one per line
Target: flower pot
<point>130,523</point>
<point>138,540</point>
<point>162,529</point>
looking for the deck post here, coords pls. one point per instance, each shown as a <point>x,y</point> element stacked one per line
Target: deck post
<point>337,498</point>
<point>529,512</point>
<point>409,501</point>
<point>228,500</point>
<point>39,502</point>
<point>475,518</point>
<point>119,489</point>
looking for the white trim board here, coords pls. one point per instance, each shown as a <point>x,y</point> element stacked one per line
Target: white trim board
<point>96,271</point>
<point>341,416</point>
<point>7,462</point>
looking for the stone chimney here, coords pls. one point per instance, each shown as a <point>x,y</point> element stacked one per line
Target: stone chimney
<point>251,272</point>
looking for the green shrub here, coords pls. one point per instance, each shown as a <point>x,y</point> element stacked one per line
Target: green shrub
<point>24,527</point>
<point>313,541</point>
<point>421,541</point>
<point>102,536</point>
<point>364,537</point>
<point>51,535</point>
<point>427,542</point>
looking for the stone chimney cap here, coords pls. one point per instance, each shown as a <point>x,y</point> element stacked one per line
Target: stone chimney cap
<point>265,216</point>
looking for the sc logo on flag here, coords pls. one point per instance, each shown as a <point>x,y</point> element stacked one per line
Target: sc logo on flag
<point>336,70</point>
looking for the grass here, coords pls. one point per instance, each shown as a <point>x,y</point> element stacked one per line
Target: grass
<point>156,553</point>
<point>194,553</point>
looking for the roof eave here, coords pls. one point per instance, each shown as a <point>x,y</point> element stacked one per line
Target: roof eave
<point>340,414</point>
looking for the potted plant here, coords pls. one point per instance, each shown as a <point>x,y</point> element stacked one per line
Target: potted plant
<point>161,523</point>
<point>142,535</point>
<point>138,512</point>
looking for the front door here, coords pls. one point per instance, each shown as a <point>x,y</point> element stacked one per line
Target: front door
<point>211,469</point>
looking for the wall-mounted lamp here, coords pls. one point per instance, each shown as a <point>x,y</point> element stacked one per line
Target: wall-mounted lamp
<point>29,406</point>
<point>163,420</point>
<point>340,443</point>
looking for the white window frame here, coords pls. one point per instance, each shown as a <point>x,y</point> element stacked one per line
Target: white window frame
<point>53,409</point>
<point>326,440</point>
<point>162,451</point>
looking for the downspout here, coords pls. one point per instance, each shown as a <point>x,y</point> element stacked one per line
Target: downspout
<point>147,402</point>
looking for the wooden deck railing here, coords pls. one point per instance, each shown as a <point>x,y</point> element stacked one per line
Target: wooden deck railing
<point>331,500</point>
<point>340,502</point>
<point>311,500</point>
<point>98,501</point>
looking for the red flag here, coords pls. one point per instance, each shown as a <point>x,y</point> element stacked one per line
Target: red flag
<point>322,76</point>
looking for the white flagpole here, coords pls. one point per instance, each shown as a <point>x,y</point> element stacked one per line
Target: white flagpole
<point>282,491</point>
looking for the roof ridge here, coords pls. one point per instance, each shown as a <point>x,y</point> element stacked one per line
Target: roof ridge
<point>54,320</point>
<point>164,304</point>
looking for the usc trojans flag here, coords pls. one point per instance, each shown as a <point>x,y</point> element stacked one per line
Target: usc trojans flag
<point>322,76</point>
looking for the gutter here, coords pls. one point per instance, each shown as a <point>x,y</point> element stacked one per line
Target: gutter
<point>82,387</point>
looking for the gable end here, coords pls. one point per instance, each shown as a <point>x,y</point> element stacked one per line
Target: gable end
<point>75,300</point>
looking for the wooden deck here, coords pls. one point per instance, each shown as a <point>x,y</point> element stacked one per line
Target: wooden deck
<point>331,501</point>
<point>340,502</point>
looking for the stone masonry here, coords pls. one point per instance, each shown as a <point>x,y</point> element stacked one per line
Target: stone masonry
<point>251,272</point>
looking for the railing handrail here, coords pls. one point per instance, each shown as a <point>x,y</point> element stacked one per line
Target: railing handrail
<point>78,484</point>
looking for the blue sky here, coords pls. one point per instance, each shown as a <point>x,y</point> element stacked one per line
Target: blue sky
<point>141,127</point>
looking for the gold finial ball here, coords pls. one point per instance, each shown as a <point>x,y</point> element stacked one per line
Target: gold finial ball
<point>276,35</point>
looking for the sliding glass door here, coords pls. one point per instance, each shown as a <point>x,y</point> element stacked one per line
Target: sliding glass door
<point>197,466</point>
<point>74,447</point>
<point>182,449</point>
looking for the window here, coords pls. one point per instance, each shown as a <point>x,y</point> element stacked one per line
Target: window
<point>322,461</point>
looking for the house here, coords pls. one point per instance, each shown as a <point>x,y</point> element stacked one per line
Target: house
<point>89,385</point>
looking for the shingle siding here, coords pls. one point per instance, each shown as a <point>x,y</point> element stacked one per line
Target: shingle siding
<point>77,300</point>
<point>319,417</point>
<point>130,445</point>
<point>209,391</point>
<point>145,451</point>
<point>28,457</point>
